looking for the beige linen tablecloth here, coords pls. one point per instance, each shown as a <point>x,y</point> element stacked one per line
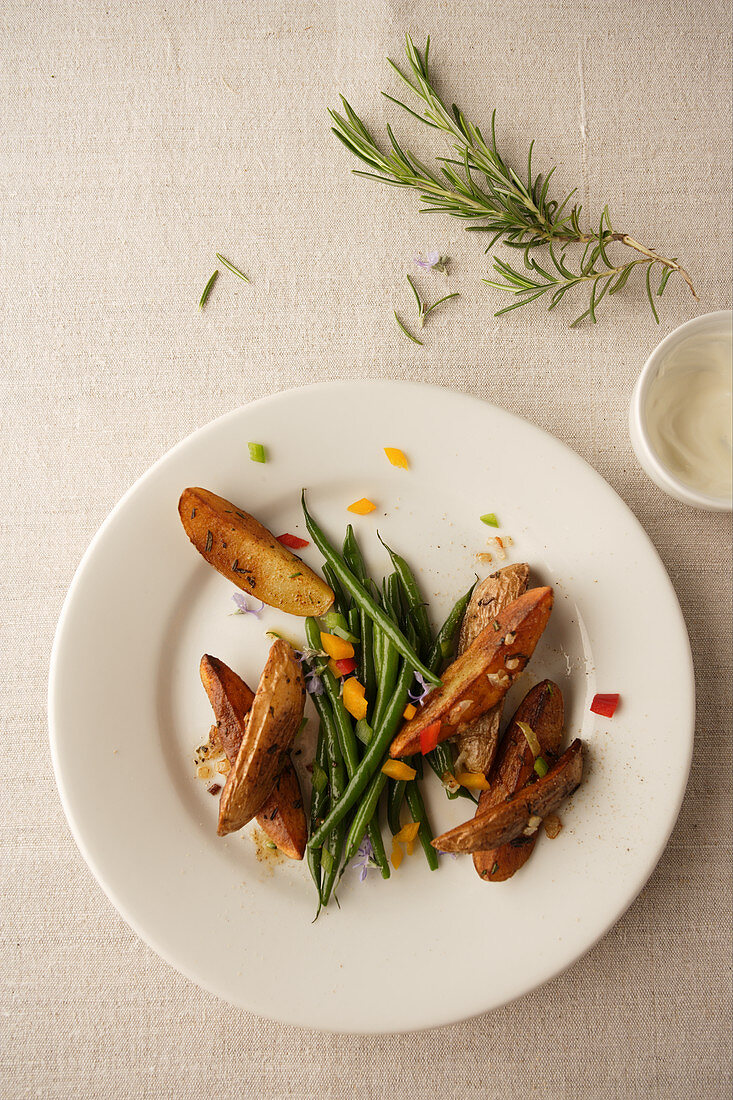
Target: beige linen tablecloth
<point>137,139</point>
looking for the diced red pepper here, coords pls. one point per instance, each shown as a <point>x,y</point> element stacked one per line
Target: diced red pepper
<point>292,541</point>
<point>429,737</point>
<point>605,705</point>
<point>345,666</point>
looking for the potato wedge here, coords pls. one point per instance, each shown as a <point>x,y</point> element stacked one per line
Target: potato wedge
<point>542,709</point>
<point>272,724</point>
<point>249,555</point>
<point>230,700</point>
<point>480,677</point>
<point>282,817</point>
<point>520,815</point>
<point>477,745</point>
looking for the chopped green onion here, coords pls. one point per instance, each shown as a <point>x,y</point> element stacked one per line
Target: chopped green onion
<point>338,625</point>
<point>230,267</point>
<point>257,452</point>
<point>490,519</point>
<point>320,779</point>
<point>301,727</point>
<point>270,844</point>
<point>207,289</point>
<point>364,731</point>
<point>540,766</point>
<point>326,859</point>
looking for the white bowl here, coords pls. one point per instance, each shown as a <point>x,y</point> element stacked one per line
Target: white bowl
<point>714,324</point>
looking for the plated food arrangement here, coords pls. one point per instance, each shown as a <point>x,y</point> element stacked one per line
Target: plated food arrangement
<point>148,829</point>
<point>390,697</point>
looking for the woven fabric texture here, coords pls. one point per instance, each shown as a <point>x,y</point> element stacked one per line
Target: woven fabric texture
<point>136,140</point>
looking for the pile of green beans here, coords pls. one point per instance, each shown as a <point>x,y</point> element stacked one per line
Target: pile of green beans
<point>395,643</point>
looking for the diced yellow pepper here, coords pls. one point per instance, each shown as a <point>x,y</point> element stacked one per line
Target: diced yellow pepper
<point>410,847</point>
<point>397,855</point>
<point>409,712</point>
<point>362,507</point>
<point>397,457</point>
<point>336,647</point>
<point>408,832</point>
<point>474,781</point>
<point>353,698</point>
<point>396,769</point>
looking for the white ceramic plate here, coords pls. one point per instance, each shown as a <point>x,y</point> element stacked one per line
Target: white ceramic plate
<point>127,709</point>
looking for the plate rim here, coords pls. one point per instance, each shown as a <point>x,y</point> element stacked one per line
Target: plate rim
<point>151,941</point>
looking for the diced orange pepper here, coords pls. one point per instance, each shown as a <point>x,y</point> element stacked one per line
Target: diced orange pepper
<point>362,507</point>
<point>396,769</point>
<point>474,781</point>
<point>409,712</point>
<point>336,647</point>
<point>397,457</point>
<point>408,832</point>
<point>397,855</point>
<point>410,847</point>
<point>353,698</point>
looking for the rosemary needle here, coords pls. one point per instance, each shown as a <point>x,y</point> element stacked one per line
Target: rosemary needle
<point>207,289</point>
<point>230,267</point>
<point>407,334</point>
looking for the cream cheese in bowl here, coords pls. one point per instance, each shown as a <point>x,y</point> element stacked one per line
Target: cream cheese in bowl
<point>681,413</point>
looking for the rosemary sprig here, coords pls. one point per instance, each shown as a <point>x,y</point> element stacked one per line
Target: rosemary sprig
<point>423,309</point>
<point>478,185</point>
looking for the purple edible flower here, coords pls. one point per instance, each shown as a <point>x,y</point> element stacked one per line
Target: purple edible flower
<point>364,858</point>
<point>243,605</point>
<point>313,684</point>
<point>433,262</point>
<point>417,694</point>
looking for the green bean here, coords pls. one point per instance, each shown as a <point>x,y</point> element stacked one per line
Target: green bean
<point>354,622</point>
<point>441,758</point>
<point>337,778</point>
<point>373,759</point>
<point>380,856</point>
<point>362,597</point>
<point>318,804</point>
<point>353,556</point>
<point>395,798</point>
<point>364,814</point>
<point>444,643</point>
<point>419,813</point>
<point>386,681</point>
<point>416,607</point>
<point>341,601</point>
<point>344,730</point>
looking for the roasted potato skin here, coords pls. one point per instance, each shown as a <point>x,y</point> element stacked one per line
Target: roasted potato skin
<point>477,746</point>
<point>248,555</point>
<point>272,724</point>
<point>543,709</point>
<point>282,817</point>
<point>509,820</point>
<point>467,679</point>
<point>231,700</point>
